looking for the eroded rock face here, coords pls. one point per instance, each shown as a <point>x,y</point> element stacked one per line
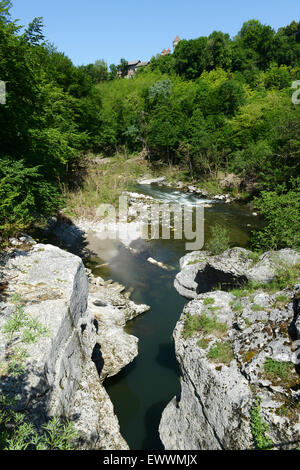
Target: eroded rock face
<point>80,345</point>
<point>201,272</point>
<point>112,311</point>
<point>249,349</point>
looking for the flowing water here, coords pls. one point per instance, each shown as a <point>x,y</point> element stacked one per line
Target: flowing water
<point>141,391</point>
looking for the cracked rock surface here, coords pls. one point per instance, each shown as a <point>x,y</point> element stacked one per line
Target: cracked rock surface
<point>83,341</point>
<point>249,349</point>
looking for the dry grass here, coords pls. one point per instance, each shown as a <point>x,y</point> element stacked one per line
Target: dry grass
<point>104,183</point>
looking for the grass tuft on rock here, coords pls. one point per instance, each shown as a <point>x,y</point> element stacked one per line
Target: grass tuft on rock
<point>202,324</point>
<point>277,370</point>
<point>221,353</point>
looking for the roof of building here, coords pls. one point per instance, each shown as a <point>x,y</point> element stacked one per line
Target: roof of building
<point>142,64</point>
<point>176,39</point>
<point>134,62</point>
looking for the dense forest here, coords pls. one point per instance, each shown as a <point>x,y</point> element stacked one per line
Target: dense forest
<point>216,104</point>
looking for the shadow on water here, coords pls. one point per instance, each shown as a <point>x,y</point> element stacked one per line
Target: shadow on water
<point>152,420</point>
<point>166,356</point>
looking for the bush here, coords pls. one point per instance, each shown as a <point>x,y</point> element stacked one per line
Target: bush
<point>275,370</point>
<point>24,196</point>
<point>259,428</point>
<point>16,433</point>
<point>281,212</point>
<point>219,241</point>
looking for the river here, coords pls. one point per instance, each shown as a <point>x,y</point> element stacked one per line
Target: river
<point>141,391</point>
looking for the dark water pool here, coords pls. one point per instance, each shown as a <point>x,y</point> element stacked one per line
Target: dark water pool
<point>142,390</point>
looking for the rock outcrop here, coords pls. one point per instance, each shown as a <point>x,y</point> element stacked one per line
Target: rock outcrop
<point>239,355</point>
<point>201,272</point>
<point>77,340</point>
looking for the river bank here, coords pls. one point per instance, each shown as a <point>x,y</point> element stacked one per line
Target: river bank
<point>106,178</point>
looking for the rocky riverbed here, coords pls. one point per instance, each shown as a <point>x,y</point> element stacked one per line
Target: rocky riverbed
<point>81,341</point>
<point>239,354</point>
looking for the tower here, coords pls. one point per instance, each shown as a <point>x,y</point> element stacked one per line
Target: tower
<point>176,41</point>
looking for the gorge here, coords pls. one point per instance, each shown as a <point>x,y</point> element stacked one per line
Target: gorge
<point>141,394</point>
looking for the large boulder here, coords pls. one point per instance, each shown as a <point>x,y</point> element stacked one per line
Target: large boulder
<point>202,272</point>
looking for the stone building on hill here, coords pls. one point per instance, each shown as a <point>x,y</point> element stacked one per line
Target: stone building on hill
<point>168,51</point>
<point>134,65</point>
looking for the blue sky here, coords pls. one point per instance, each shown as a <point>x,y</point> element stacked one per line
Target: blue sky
<point>137,29</point>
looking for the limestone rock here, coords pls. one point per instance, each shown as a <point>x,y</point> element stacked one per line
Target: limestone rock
<point>147,180</point>
<point>201,272</point>
<point>112,311</point>
<point>81,343</point>
<point>229,362</point>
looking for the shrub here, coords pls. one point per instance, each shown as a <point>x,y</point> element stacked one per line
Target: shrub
<point>258,428</point>
<point>219,241</point>
<point>280,210</point>
<point>24,196</point>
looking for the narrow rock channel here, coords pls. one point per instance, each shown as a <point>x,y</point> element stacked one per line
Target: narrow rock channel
<point>141,391</point>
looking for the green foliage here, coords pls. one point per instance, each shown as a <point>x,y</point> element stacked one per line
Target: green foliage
<point>204,324</point>
<point>215,105</point>
<point>20,330</point>
<point>57,436</point>
<point>285,276</point>
<point>236,306</point>
<point>203,343</point>
<point>278,370</point>
<point>219,240</point>
<point>259,428</point>
<point>281,212</point>
<point>41,136</point>
<point>24,196</point>
<point>221,353</point>
<point>34,33</point>
<point>16,433</point>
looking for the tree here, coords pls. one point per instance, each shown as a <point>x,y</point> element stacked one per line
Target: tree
<point>191,57</point>
<point>113,72</point>
<point>5,7</point>
<point>34,33</point>
<point>219,52</point>
<point>101,70</point>
<point>123,67</point>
